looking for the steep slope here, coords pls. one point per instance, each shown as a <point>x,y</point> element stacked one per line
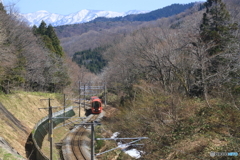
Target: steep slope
<point>19,113</point>
<point>89,35</point>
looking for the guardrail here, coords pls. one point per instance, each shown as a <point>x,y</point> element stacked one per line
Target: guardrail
<point>41,130</point>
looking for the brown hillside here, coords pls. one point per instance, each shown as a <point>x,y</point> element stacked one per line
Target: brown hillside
<point>19,113</point>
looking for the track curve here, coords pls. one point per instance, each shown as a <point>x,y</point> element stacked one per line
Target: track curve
<point>76,144</point>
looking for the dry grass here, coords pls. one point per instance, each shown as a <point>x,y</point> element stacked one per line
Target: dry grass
<point>24,107</point>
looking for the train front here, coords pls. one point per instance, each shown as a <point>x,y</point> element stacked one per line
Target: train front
<point>96,105</point>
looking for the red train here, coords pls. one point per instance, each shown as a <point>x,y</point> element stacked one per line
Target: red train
<point>96,105</point>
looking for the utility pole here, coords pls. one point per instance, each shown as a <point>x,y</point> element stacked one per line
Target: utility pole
<point>105,95</point>
<point>64,106</point>
<point>79,98</point>
<point>84,96</point>
<point>50,127</point>
<point>92,136</point>
<point>92,141</point>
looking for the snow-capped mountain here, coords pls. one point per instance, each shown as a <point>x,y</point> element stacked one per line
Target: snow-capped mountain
<point>78,17</point>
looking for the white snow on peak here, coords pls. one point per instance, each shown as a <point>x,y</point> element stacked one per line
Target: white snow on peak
<point>79,17</point>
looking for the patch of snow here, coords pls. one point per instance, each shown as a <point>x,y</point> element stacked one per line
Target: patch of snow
<point>115,135</point>
<point>122,146</point>
<point>134,153</point>
<point>131,152</point>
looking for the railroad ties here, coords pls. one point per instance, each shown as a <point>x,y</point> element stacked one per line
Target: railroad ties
<point>76,145</point>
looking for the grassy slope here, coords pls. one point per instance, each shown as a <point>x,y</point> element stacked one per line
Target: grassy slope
<point>24,106</point>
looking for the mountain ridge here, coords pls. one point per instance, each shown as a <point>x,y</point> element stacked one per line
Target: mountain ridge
<point>85,15</point>
<point>81,16</point>
<point>152,15</point>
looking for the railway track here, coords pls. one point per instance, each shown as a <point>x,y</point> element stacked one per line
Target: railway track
<point>76,144</point>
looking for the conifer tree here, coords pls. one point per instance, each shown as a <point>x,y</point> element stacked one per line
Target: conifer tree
<point>215,49</point>
<point>48,43</point>
<point>215,26</point>
<point>55,41</point>
<point>2,9</point>
<point>42,28</point>
<point>49,37</point>
<point>35,30</point>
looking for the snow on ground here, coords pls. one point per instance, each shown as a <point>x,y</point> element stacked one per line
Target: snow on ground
<point>131,152</point>
<point>134,153</point>
<point>115,135</point>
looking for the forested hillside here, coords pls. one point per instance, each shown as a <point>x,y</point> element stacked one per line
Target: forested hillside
<point>175,80</point>
<point>32,58</point>
<point>71,30</point>
<point>79,37</point>
<point>179,85</point>
<point>92,59</point>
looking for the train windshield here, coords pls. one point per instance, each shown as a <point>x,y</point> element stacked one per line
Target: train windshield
<point>96,105</point>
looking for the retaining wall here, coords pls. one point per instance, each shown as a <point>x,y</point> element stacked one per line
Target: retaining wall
<point>41,130</point>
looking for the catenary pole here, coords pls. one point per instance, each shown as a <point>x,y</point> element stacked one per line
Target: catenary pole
<point>79,98</point>
<point>50,128</point>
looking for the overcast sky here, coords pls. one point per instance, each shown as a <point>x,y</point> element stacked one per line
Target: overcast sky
<point>65,7</point>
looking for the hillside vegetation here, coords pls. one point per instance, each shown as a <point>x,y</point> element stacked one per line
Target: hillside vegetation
<point>25,62</point>
<point>177,127</point>
<point>92,59</point>
<point>32,58</point>
<point>179,84</point>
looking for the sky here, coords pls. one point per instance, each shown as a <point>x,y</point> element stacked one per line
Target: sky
<point>66,7</point>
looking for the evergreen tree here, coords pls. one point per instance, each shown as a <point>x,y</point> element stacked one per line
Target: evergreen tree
<point>35,30</point>
<point>48,43</point>
<point>215,49</point>
<point>92,59</point>
<point>42,28</point>
<point>216,26</point>
<point>2,9</point>
<point>49,37</point>
<point>55,41</point>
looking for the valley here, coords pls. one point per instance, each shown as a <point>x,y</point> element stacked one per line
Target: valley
<point>172,78</point>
